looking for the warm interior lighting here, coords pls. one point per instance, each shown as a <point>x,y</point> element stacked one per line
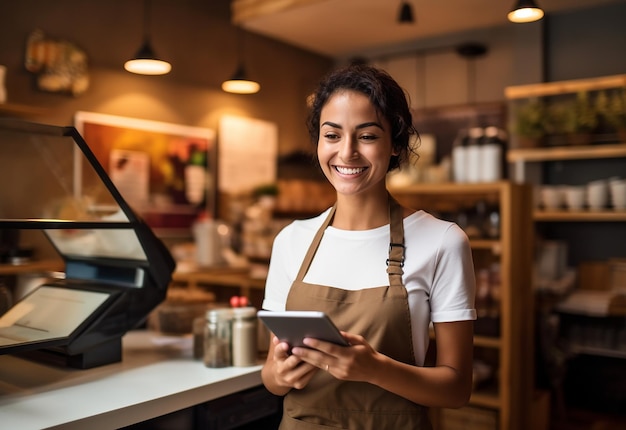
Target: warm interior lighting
<point>406,13</point>
<point>239,82</point>
<point>145,61</point>
<point>525,11</point>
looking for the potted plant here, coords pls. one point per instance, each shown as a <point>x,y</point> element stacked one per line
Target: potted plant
<point>615,113</point>
<point>266,194</point>
<point>529,126</point>
<point>580,119</point>
<point>557,118</point>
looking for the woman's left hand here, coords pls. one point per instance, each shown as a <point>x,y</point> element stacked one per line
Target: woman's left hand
<point>356,362</point>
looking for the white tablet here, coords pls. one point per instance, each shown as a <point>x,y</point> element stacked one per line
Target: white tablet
<point>293,326</point>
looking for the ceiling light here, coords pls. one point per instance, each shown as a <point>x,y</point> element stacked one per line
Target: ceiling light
<point>525,11</point>
<point>405,16</point>
<point>145,61</point>
<point>239,82</point>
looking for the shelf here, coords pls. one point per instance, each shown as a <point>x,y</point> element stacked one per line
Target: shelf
<point>454,188</point>
<point>487,342</point>
<point>563,87</point>
<point>492,245</point>
<point>585,216</point>
<point>486,399</point>
<point>12,109</point>
<point>566,153</point>
<point>601,352</point>
<point>32,267</point>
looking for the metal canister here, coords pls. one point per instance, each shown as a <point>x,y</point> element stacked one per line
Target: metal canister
<point>244,336</point>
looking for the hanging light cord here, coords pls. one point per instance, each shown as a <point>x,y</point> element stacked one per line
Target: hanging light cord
<point>146,20</point>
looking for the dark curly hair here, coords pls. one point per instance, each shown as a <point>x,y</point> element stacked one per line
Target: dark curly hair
<point>384,93</point>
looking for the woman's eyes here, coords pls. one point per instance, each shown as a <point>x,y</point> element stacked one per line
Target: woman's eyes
<point>336,136</point>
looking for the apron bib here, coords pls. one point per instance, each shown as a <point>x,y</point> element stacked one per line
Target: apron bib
<point>379,314</point>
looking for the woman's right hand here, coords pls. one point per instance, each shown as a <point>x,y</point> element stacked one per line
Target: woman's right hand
<point>283,371</point>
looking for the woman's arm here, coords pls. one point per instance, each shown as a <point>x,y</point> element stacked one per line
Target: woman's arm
<point>448,384</point>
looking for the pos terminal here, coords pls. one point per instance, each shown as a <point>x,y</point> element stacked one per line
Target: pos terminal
<point>116,270</point>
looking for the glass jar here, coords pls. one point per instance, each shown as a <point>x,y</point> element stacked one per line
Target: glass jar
<point>244,336</point>
<point>218,338</point>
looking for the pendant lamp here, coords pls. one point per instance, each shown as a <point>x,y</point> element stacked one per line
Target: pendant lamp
<point>405,16</point>
<point>145,61</point>
<point>239,82</point>
<point>525,11</point>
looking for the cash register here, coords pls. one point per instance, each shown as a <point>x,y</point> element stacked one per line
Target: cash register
<point>116,270</point>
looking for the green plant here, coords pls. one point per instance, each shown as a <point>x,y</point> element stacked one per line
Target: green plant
<point>581,116</point>
<point>557,118</point>
<point>265,190</point>
<point>615,112</point>
<point>530,119</point>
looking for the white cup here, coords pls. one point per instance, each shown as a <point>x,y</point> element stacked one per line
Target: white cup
<point>575,197</point>
<point>617,190</point>
<point>597,194</point>
<point>551,196</point>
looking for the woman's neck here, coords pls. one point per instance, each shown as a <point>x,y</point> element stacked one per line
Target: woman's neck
<point>357,212</point>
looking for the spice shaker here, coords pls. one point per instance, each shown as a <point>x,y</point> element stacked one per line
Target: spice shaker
<point>244,336</point>
<point>218,338</point>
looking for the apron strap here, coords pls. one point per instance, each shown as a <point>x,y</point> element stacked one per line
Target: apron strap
<point>395,262</point>
<point>308,258</point>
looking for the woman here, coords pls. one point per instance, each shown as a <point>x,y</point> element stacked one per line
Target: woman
<point>382,272</point>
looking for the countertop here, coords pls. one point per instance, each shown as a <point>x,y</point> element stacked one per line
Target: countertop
<point>157,375</point>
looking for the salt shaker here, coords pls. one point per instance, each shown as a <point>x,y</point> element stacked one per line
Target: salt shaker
<point>244,336</point>
<point>218,338</point>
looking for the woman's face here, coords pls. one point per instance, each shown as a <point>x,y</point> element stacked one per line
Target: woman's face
<point>354,146</point>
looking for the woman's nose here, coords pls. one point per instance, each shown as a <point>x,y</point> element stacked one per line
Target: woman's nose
<point>348,149</point>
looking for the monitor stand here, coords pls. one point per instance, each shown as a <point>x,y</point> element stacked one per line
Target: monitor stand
<point>99,355</point>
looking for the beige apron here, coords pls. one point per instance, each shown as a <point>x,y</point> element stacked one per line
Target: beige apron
<point>381,315</point>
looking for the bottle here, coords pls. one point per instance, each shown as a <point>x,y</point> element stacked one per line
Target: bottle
<point>244,336</point>
<point>218,338</point>
<point>207,240</point>
<point>474,154</point>
<point>196,176</point>
<point>492,155</point>
<point>459,157</point>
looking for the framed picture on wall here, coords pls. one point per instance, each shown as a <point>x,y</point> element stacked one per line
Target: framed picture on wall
<point>166,172</point>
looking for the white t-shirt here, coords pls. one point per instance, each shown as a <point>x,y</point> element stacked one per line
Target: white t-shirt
<point>438,268</point>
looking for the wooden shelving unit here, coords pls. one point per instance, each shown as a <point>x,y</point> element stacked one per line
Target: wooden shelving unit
<point>539,166</point>
<point>510,397</point>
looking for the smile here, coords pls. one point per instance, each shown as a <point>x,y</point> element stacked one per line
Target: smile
<point>350,170</point>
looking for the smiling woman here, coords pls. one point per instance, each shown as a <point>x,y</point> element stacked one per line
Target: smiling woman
<point>380,271</point>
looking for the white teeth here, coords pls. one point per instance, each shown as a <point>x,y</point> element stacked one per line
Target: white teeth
<point>349,170</point>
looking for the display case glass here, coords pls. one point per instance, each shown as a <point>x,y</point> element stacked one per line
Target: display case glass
<point>116,269</point>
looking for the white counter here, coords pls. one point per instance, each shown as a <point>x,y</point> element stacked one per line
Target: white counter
<point>153,379</point>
